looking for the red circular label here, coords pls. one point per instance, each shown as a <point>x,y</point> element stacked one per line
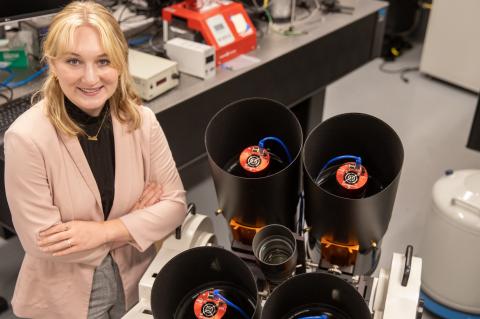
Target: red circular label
<point>350,177</point>
<point>209,306</point>
<point>254,159</point>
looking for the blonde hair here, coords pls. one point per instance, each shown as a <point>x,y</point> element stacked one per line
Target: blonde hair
<point>124,102</point>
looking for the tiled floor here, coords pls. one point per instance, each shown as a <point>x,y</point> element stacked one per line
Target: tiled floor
<point>432,119</point>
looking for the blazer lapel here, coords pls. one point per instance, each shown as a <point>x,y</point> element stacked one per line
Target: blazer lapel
<point>76,153</point>
<point>129,169</point>
<point>121,176</point>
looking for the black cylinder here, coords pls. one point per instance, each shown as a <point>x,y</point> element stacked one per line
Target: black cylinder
<point>275,250</point>
<point>363,220</point>
<point>255,201</point>
<point>315,294</point>
<point>201,269</point>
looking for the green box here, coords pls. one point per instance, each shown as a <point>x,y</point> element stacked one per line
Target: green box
<point>16,57</point>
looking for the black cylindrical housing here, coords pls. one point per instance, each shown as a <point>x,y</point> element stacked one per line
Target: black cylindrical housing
<point>345,220</point>
<point>260,201</point>
<point>195,270</point>
<point>275,250</point>
<point>322,292</point>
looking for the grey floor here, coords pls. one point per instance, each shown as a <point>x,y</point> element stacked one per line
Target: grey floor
<point>432,119</point>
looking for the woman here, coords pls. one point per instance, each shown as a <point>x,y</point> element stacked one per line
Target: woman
<point>90,179</point>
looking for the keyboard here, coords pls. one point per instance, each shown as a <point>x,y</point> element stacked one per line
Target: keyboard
<point>13,109</point>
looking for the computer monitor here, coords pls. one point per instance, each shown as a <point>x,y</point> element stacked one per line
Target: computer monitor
<point>16,10</point>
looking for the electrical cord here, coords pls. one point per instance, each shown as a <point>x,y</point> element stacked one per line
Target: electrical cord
<point>290,32</point>
<point>305,6</point>
<point>121,13</point>
<point>139,11</point>
<point>279,141</point>
<point>133,42</point>
<point>333,6</point>
<point>10,76</point>
<point>271,25</point>
<point>299,223</point>
<point>154,47</point>
<point>231,304</point>
<point>131,7</point>
<point>156,22</point>
<point>358,163</point>
<point>358,160</point>
<point>132,17</point>
<point>315,317</point>
<point>287,32</point>
<point>401,71</point>
<point>9,89</point>
<point>407,70</point>
<point>28,79</point>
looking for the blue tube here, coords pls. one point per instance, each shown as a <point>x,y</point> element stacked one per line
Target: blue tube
<point>315,317</point>
<point>279,141</point>
<point>28,79</point>
<point>231,304</point>
<point>10,77</point>
<point>139,40</point>
<point>358,161</point>
<point>444,311</point>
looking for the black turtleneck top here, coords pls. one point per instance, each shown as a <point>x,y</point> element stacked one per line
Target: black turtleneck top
<point>100,154</point>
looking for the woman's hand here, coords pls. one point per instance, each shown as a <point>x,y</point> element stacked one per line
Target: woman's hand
<point>74,236</point>
<point>151,195</point>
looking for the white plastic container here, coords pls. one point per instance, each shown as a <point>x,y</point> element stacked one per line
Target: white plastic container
<point>451,244</point>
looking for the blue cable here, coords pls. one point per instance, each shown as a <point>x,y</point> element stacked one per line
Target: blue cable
<point>10,77</point>
<point>139,40</point>
<point>315,317</point>
<point>231,304</point>
<point>26,80</point>
<point>358,161</point>
<point>279,141</point>
<point>444,311</point>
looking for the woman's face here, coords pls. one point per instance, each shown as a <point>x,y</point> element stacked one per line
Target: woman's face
<point>85,73</point>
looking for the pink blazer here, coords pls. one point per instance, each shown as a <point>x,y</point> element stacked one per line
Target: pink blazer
<point>48,180</point>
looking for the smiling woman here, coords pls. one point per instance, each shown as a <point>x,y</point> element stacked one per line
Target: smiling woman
<point>88,54</point>
<point>85,73</point>
<point>89,177</point>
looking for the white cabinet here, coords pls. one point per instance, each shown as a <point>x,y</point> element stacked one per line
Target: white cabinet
<point>451,51</point>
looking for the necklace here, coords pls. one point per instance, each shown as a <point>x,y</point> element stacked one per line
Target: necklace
<point>94,137</point>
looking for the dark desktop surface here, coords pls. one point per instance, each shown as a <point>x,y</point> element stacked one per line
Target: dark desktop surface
<point>21,9</point>
<point>295,75</point>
